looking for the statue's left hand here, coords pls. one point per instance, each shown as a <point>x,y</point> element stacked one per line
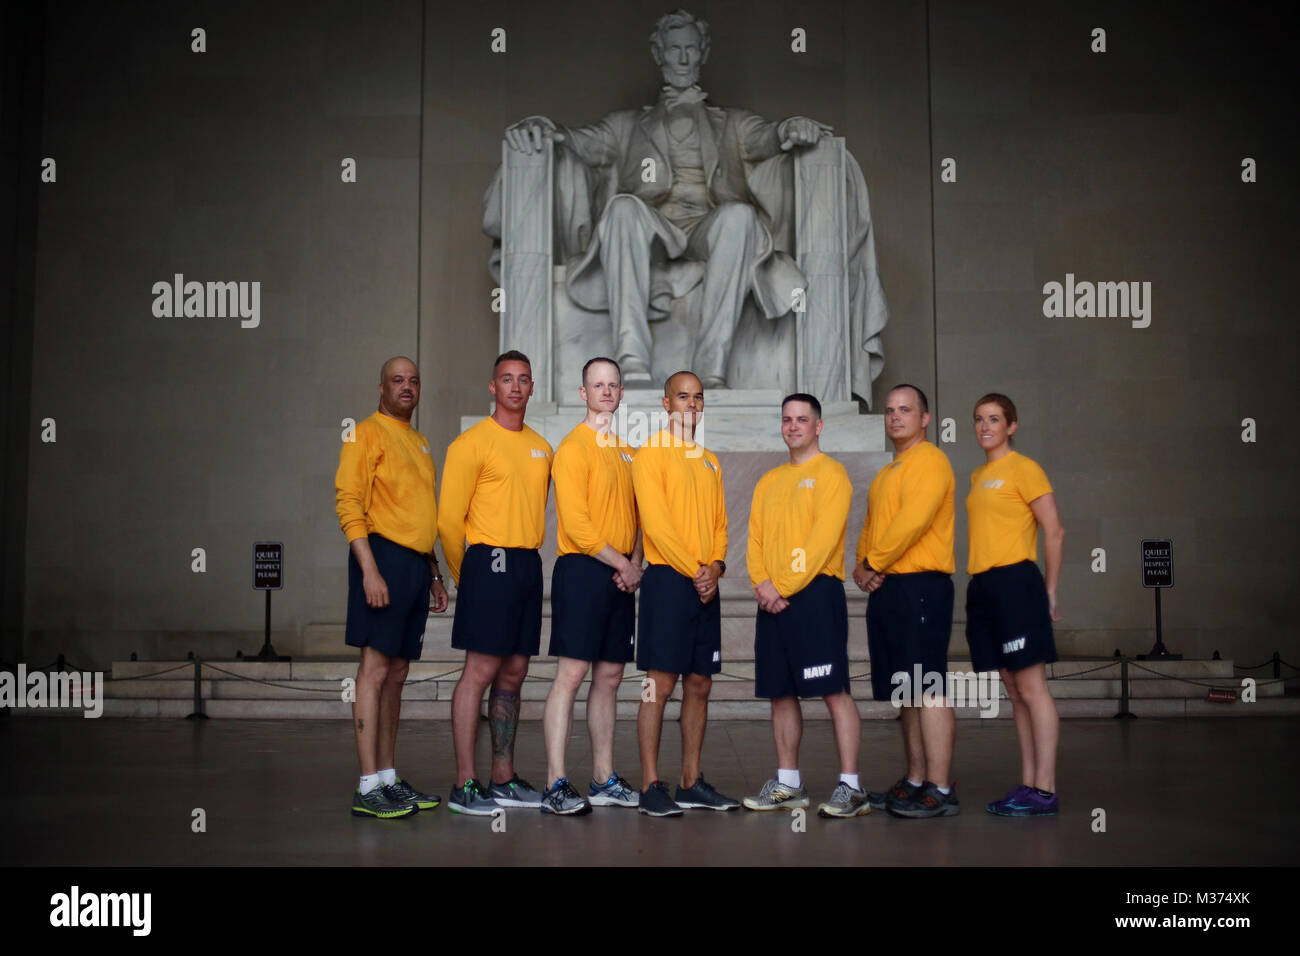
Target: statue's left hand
<point>802,131</point>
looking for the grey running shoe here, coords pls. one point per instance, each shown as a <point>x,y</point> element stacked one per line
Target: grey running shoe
<point>403,792</point>
<point>845,802</point>
<point>378,804</point>
<point>901,790</point>
<point>562,799</point>
<point>701,796</point>
<point>614,792</point>
<point>655,802</point>
<point>472,800</point>
<point>928,803</point>
<point>515,792</point>
<point>775,795</point>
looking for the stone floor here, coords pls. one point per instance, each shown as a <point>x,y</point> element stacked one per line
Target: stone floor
<point>118,792</point>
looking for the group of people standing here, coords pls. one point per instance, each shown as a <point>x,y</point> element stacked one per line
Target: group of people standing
<point>654,519</point>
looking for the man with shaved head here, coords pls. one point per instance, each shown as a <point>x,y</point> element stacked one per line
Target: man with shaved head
<point>683,512</point>
<point>384,491</point>
<point>905,561</point>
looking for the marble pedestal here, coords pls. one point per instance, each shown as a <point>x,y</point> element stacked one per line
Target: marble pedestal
<point>734,420</point>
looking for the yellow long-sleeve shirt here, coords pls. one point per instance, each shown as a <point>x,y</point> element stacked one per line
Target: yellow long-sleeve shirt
<point>797,523</point>
<point>1003,528</point>
<point>385,484</point>
<point>494,487</point>
<point>595,504</point>
<point>910,514</point>
<point>681,502</point>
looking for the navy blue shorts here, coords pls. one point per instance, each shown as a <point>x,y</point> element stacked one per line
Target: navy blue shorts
<point>679,635</point>
<point>591,619</point>
<point>1008,620</point>
<point>909,623</point>
<point>499,601</point>
<point>804,650</point>
<point>396,630</point>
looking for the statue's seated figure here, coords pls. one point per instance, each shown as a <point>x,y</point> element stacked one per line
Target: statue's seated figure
<point>652,203</point>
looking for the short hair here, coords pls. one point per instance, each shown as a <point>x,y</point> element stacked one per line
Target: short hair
<point>997,398</point>
<point>513,355</point>
<point>685,371</point>
<point>803,397</point>
<point>679,18</point>
<point>925,402</point>
<point>601,358</point>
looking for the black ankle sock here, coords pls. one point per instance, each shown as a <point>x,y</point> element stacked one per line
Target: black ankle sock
<point>1045,794</point>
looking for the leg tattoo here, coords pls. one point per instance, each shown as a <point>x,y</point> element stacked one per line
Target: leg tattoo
<point>503,718</point>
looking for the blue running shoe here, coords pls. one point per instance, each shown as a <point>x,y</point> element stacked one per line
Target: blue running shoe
<point>614,792</point>
<point>1025,802</point>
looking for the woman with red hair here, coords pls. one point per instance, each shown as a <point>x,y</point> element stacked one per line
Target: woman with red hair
<point>1009,606</point>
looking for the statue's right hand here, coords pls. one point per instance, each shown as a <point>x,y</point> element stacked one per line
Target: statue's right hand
<point>530,135</point>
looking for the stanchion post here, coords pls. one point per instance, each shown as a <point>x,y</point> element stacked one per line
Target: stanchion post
<point>1123,688</point>
<point>198,713</point>
<point>1277,665</point>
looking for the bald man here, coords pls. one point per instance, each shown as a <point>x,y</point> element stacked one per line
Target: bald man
<point>683,512</point>
<point>384,491</point>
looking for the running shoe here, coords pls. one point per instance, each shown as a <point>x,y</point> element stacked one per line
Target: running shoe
<point>403,792</point>
<point>775,795</point>
<point>515,792</point>
<point>614,792</point>
<point>563,800</point>
<point>379,804</point>
<point>1000,806</point>
<point>655,802</point>
<point>845,802</point>
<point>928,803</point>
<point>1025,802</point>
<point>901,790</point>
<point>701,796</point>
<point>472,799</point>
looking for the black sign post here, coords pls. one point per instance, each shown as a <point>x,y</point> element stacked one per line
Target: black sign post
<point>268,576</point>
<point>1158,573</point>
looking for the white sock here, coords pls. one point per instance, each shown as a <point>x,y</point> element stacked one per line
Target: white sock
<point>915,783</point>
<point>387,777</point>
<point>790,778</point>
<point>851,779</point>
<point>368,782</point>
<point>944,790</point>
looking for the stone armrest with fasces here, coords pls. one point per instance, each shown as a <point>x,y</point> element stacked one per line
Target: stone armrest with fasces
<point>531,134</point>
<point>801,131</point>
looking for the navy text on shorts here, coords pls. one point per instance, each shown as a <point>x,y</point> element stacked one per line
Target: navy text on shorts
<point>804,650</point>
<point>1008,620</point>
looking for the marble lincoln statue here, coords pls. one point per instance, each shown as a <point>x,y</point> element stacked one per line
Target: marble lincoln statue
<point>651,202</point>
